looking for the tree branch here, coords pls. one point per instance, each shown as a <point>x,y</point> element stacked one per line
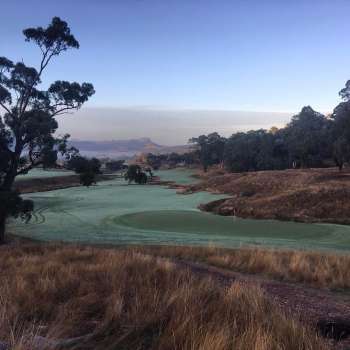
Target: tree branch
<point>43,64</point>
<point>6,108</point>
<point>62,110</point>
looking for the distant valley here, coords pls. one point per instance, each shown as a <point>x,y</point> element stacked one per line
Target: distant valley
<point>117,149</point>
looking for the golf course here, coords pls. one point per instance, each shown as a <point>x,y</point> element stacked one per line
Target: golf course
<point>114,212</point>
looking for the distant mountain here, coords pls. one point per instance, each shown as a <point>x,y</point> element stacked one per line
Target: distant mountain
<point>123,148</point>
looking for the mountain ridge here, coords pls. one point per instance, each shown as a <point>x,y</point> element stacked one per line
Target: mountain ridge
<point>124,148</point>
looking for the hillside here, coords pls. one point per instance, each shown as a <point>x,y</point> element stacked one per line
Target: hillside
<point>308,195</point>
<point>123,148</point>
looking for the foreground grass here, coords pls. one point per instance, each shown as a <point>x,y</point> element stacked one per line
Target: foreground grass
<point>125,299</point>
<point>325,270</point>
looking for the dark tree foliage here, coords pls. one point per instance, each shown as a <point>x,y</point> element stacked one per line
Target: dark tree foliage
<point>341,129</point>
<point>11,204</point>
<point>88,178</point>
<point>307,138</point>
<point>255,150</point>
<point>345,92</point>
<point>210,148</point>
<point>190,158</point>
<point>135,174</point>
<point>76,163</point>
<point>88,169</point>
<point>149,171</point>
<point>304,142</point>
<point>341,151</point>
<point>27,122</point>
<point>115,165</point>
<point>155,161</point>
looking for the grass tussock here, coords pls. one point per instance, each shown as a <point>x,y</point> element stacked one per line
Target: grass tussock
<point>325,270</point>
<point>125,299</point>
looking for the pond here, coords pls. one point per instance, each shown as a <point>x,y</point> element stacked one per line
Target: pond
<point>118,213</point>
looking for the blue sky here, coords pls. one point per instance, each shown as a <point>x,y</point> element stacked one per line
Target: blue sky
<point>240,55</point>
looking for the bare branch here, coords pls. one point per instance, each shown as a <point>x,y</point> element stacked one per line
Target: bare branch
<point>63,110</point>
<point>6,108</point>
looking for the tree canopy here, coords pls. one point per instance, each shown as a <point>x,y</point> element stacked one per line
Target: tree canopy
<point>310,139</point>
<point>88,169</point>
<point>115,165</point>
<point>135,174</point>
<point>307,138</point>
<point>211,148</point>
<point>27,121</point>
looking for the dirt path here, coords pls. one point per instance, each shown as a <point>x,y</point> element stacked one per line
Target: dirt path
<point>324,310</point>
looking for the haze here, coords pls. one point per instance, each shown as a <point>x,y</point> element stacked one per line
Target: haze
<point>166,127</point>
<point>184,65</point>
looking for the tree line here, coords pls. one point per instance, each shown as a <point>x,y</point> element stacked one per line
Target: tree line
<point>157,161</point>
<point>310,139</point>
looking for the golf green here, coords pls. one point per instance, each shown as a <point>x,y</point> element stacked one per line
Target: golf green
<point>118,213</point>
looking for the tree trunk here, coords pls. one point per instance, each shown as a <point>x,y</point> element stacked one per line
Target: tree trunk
<point>8,181</point>
<point>339,164</point>
<point>2,229</point>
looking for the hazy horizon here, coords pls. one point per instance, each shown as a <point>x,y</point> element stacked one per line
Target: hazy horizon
<point>163,126</point>
<point>187,67</point>
<point>233,55</point>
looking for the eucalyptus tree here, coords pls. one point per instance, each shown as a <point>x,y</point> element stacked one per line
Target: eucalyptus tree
<point>27,114</point>
<point>88,169</point>
<point>307,138</point>
<point>135,174</point>
<point>210,148</point>
<point>254,150</point>
<point>341,128</point>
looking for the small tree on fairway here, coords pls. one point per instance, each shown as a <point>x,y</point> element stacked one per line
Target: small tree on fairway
<point>135,174</point>
<point>88,169</point>
<point>27,122</point>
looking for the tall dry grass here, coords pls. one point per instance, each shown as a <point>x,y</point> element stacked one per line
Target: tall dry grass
<point>319,269</point>
<point>124,299</point>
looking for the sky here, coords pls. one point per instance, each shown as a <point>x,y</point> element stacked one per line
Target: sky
<point>209,64</point>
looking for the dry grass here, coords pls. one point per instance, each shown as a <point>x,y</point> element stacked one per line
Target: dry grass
<point>325,270</point>
<point>52,183</point>
<point>308,195</point>
<point>128,300</point>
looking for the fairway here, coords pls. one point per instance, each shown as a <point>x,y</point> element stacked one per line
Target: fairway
<point>41,173</point>
<point>118,213</point>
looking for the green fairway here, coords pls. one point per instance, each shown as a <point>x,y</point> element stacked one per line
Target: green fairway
<point>114,212</point>
<point>41,173</point>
